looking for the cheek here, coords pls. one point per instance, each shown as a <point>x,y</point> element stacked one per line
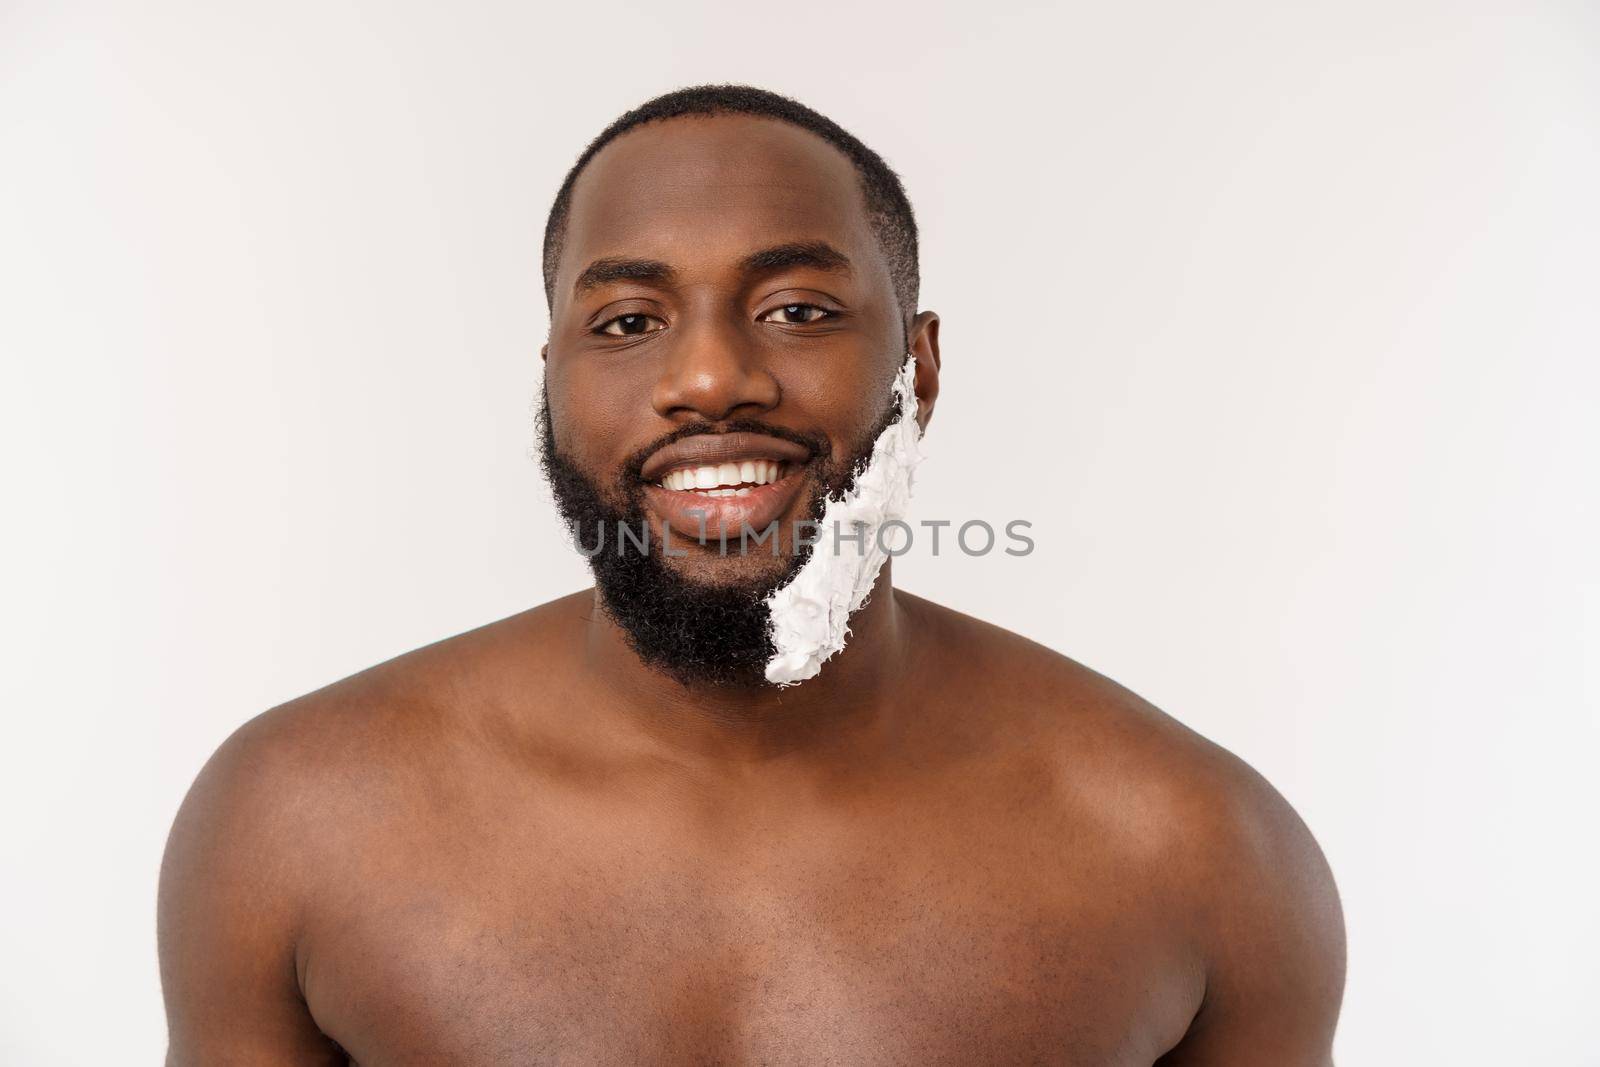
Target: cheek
<point>844,401</point>
<point>590,414</point>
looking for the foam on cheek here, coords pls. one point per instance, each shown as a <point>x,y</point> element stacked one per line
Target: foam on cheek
<point>811,613</point>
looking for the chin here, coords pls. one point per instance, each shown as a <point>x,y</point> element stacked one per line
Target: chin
<point>703,566</point>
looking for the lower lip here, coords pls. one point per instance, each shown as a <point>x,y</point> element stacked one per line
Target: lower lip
<point>690,514</point>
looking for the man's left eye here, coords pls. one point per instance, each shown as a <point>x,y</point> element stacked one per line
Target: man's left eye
<point>797,314</point>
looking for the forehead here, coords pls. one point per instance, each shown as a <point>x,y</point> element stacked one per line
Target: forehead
<point>700,192</point>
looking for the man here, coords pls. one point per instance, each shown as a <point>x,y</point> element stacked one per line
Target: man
<point>680,818</point>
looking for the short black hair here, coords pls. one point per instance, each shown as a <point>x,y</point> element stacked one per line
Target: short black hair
<point>888,210</point>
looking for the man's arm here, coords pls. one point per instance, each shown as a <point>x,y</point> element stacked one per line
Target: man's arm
<point>1274,936</point>
<point>229,913</point>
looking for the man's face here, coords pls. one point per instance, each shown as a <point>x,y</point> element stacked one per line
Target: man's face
<point>719,274</point>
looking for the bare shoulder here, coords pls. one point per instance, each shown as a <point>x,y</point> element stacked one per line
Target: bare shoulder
<point>1162,782</point>
<point>1205,833</point>
<point>295,801</point>
<point>304,770</point>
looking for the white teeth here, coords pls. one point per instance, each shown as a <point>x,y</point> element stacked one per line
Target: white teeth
<point>725,479</point>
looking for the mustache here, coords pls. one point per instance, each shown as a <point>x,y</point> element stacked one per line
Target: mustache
<point>815,444</point>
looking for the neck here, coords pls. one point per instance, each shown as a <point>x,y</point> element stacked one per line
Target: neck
<point>851,704</point>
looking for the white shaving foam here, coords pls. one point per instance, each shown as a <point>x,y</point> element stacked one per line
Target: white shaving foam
<point>811,613</point>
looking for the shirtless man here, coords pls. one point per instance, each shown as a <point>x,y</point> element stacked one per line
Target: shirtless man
<point>596,832</point>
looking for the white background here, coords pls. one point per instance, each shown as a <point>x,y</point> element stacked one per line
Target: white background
<point>1279,322</point>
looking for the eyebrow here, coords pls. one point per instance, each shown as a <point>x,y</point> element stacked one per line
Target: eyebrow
<point>818,255</point>
<point>602,271</point>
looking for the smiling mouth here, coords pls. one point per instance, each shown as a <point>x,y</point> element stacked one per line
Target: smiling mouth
<point>719,502</point>
<point>725,479</point>
<point>711,487</point>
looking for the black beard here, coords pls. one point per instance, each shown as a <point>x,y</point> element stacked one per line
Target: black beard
<point>698,633</point>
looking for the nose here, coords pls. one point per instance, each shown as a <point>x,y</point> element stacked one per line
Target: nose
<point>713,371</point>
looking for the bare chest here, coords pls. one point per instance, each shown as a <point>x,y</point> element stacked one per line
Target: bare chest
<point>609,958</point>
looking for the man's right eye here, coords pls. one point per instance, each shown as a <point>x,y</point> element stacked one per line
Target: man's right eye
<point>630,325</point>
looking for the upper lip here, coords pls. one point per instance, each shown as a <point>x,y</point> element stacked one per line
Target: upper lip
<point>709,449</point>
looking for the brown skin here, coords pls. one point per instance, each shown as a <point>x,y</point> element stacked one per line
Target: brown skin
<point>521,845</point>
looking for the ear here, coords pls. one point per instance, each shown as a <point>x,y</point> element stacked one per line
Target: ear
<point>544,352</point>
<point>923,340</point>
